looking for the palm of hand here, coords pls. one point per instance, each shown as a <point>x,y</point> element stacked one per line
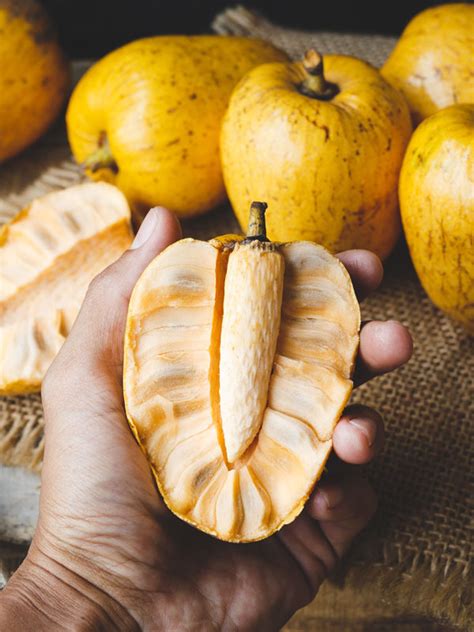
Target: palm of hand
<point>101,515</point>
<point>111,516</point>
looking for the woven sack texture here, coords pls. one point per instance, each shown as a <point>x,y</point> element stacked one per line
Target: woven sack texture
<point>416,557</point>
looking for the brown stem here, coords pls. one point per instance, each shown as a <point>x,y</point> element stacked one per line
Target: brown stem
<point>257,229</point>
<point>315,84</point>
<point>101,158</point>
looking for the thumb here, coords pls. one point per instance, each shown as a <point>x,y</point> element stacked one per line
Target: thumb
<point>158,230</point>
<point>88,444</point>
<point>95,345</point>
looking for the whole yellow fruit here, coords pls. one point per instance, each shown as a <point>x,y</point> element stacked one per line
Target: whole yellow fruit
<point>324,151</point>
<point>432,63</point>
<point>34,75</point>
<point>147,117</point>
<point>437,206</point>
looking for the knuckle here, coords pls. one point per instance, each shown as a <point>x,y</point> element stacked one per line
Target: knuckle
<point>361,410</point>
<point>102,284</point>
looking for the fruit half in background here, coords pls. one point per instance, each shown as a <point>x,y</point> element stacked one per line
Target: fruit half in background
<point>147,117</point>
<point>433,61</point>
<point>49,253</point>
<point>323,147</point>
<point>34,75</point>
<point>237,365</point>
<point>437,207</point>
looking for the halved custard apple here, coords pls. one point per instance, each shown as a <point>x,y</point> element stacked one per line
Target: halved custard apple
<point>49,253</point>
<point>237,366</point>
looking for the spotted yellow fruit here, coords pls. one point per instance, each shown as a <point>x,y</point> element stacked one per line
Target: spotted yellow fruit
<point>147,117</point>
<point>34,75</point>
<point>437,206</point>
<point>48,255</point>
<point>324,148</point>
<point>432,63</point>
<point>237,365</point>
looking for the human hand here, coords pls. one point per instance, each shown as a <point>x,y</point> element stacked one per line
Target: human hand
<point>107,552</point>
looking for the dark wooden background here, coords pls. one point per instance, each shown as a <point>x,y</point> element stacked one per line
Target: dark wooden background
<point>89,28</point>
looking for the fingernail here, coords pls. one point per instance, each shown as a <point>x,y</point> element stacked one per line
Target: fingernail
<point>331,497</point>
<point>147,228</point>
<point>367,427</point>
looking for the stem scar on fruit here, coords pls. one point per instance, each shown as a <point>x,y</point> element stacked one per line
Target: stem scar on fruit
<point>315,84</point>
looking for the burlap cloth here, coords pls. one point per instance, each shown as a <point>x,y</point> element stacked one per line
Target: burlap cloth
<point>415,559</point>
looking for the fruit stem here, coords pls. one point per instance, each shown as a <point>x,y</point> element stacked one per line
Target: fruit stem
<point>257,229</point>
<point>101,158</point>
<point>315,84</point>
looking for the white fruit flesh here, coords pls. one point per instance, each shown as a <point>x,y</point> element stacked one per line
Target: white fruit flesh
<point>48,255</point>
<point>235,409</point>
<point>248,341</point>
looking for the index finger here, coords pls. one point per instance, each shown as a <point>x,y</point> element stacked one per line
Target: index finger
<point>365,269</point>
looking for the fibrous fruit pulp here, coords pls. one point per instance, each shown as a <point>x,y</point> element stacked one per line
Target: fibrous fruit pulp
<point>238,358</point>
<point>48,255</point>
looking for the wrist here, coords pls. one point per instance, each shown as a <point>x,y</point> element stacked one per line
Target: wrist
<point>45,595</point>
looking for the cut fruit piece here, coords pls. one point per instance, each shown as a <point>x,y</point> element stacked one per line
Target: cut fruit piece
<point>49,253</point>
<point>237,364</point>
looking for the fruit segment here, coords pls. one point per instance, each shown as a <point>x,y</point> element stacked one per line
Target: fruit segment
<point>48,255</point>
<point>318,325</point>
<point>28,347</point>
<point>168,359</point>
<point>309,393</point>
<point>238,359</point>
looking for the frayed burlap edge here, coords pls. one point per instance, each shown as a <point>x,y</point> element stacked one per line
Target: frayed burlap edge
<point>374,594</point>
<point>22,431</point>
<point>419,592</point>
<point>380,586</point>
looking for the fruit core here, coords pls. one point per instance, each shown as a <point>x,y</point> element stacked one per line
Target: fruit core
<point>250,288</point>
